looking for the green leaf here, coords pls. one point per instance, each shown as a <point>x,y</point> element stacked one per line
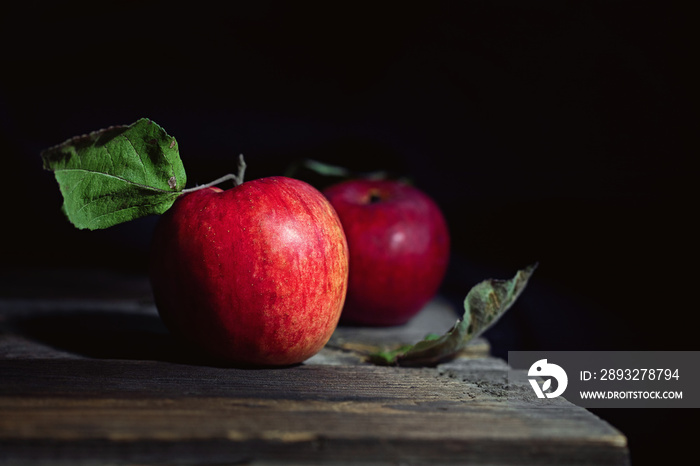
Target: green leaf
<point>117,174</point>
<point>485,303</point>
<point>322,175</point>
<point>326,169</point>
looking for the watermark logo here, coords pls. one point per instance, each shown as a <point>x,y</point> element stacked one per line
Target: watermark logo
<point>605,379</point>
<point>548,371</point>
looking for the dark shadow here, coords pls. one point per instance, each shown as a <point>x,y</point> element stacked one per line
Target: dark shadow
<point>116,335</point>
<point>110,335</point>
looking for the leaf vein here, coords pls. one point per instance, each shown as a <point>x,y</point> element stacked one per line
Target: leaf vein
<point>70,193</point>
<point>111,159</point>
<point>94,219</point>
<point>143,165</point>
<point>124,180</point>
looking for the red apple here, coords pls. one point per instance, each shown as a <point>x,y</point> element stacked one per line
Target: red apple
<point>399,249</point>
<point>254,275</point>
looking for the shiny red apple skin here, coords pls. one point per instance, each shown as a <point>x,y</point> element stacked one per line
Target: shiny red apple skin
<point>399,249</point>
<point>255,275</point>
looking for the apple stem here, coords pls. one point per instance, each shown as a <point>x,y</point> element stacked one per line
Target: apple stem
<point>237,178</point>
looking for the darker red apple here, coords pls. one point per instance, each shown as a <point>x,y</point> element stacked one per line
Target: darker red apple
<point>254,275</point>
<point>399,249</point>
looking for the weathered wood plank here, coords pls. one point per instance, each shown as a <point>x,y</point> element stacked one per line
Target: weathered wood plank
<point>433,416</point>
<point>369,451</point>
<point>429,415</point>
<point>97,379</point>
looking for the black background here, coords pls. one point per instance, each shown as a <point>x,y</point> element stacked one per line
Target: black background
<point>550,132</point>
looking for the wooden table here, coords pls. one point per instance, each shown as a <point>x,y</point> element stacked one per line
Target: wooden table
<point>88,375</point>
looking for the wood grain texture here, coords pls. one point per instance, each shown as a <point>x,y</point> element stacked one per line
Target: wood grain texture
<point>98,380</point>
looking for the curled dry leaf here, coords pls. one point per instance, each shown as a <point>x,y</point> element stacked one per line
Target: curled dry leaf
<point>485,303</point>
